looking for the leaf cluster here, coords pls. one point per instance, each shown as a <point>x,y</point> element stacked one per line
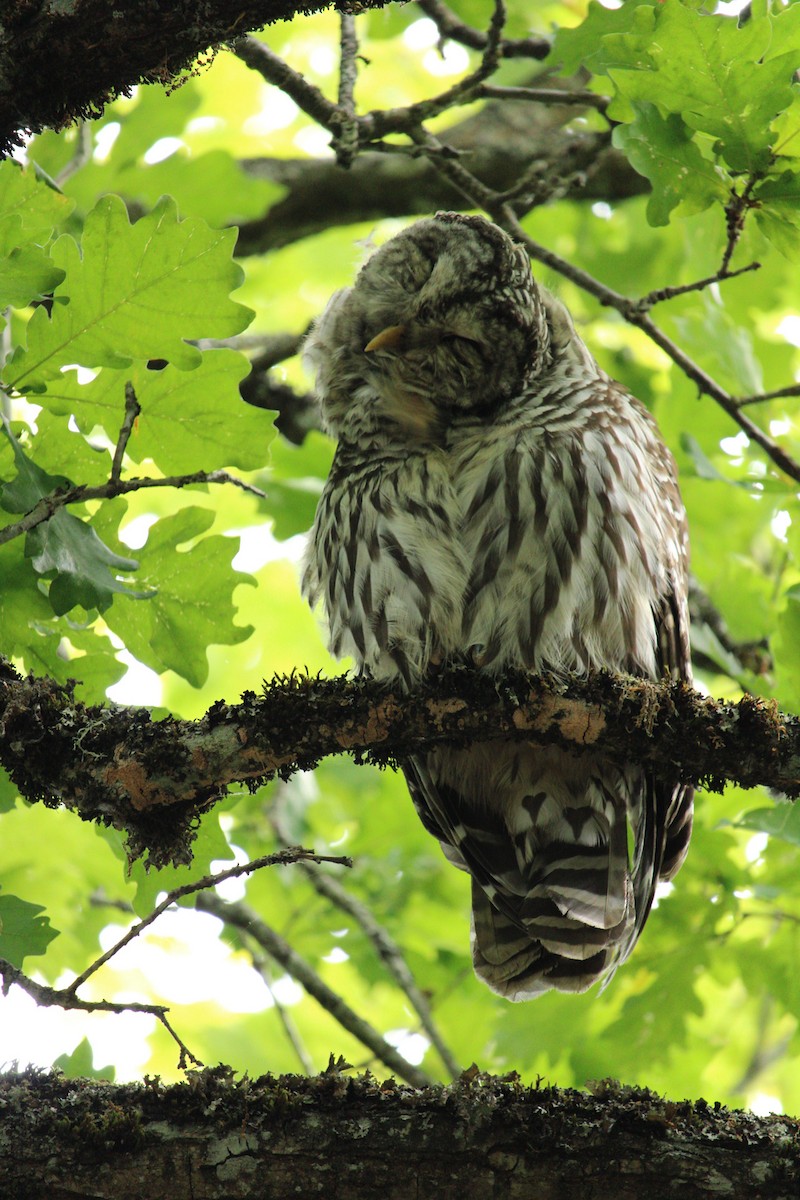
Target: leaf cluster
<point>707,105</point>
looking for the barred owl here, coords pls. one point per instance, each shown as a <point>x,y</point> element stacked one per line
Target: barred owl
<point>495,498</point>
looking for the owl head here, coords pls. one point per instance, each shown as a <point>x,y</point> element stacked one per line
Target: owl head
<point>444,319</point>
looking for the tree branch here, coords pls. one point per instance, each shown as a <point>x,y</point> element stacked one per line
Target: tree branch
<point>243,917</point>
<point>132,410</point>
<point>259,57</point>
<point>285,857</point>
<point>505,216</point>
<point>262,965</point>
<point>387,949</point>
<point>49,997</point>
<point>215,1137</point>
<point>62,62</point>
<point>119,766</point>
<point>451,27</point>
<point>67,997</point>
<point>500,143</point>
<point>50,504</point>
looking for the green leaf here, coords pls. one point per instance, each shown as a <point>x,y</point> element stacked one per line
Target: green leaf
<point>782,821</point>
<point>63,547</point>
<point>59,446</point>
<point>28,211</point>
<point>212,186</point>
<point>704,466</point>
<point>8,792</point>
<point>193,606</point>
<point>702,66</point>
<point>608,37</point>
<point>210,846</point>
<point>26,274</point>
<point>294,483</point>
<point>735,362</point>
<point>134,291</point>
<point>24,492</point>
<point>68,550</point>
<point>661,149</point>
<point>24,932</point>
<point>23,608</point>
<point>786,649</point>
<point>189,421</point>
<point>198,421</point>
<point>778,210</point>
<point>80,1064</point>
<point>29,204</point>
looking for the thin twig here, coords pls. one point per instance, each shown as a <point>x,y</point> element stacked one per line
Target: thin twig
<point>379,122</point>
<point>291,854</point>
<point>261,964</point>
<point>51,503</point>
<point>346,141</point>
<point>503,213</point>
<point>447,165</point>
<point>81,154</point>
<point>763,1055</point>
<point>388,950</point>
<point>669,293</point>
<point>584,99</point>
<point>451,26</point>
<point>132,410</point>
<point>259,57</point>
<point>792,390</point>
<point>247,919</point>
<point>736,210</point>
<point>49,997</point>
<point>629,309</point>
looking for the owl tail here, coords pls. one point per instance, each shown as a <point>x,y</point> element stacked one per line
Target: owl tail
<point>567,955</point>
<point>563,877</point>
<point>570,915</point>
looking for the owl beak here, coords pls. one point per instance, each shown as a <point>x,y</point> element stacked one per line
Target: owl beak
<point>391,338</point>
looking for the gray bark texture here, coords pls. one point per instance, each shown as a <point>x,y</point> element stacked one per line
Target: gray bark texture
<point>350,1138</point>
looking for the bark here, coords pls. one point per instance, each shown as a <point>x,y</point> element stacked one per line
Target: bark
<point>152,778</point>
<point>354,1139</point>
<point>60,62</point>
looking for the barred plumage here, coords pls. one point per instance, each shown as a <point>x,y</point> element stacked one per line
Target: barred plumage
<point>496,498</point>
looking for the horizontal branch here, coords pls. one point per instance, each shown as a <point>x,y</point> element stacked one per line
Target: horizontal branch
<point>336,1135</point>
<point>120,767</point>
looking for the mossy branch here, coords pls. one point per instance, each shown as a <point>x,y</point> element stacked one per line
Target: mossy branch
<point>153,778</point>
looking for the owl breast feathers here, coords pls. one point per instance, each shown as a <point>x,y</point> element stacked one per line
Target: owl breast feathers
<point>496,499</point>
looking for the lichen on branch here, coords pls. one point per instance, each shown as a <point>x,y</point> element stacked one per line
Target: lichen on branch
<point>154,778</point>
